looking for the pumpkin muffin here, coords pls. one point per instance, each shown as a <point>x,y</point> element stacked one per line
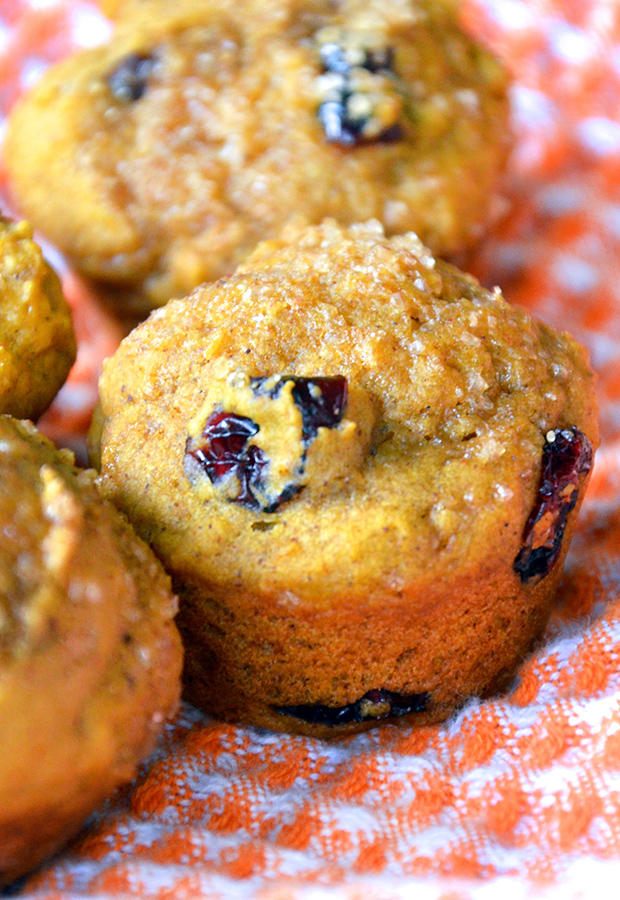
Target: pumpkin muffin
<point>362,471</point>
<point>90,658</point>
<point>37,341</point>
<point>159,160</point>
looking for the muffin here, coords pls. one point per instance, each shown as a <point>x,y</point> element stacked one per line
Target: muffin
<point>37,341</point>
<point>90,658</point>
<point>157,161</point>
<point>362,471</point>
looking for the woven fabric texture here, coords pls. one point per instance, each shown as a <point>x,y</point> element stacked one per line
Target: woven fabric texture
<point>517,796</point>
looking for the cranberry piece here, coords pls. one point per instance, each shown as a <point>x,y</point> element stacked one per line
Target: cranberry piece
<point>336,58</point>
<point>350,112</point>
<point>321,400</point>
<point>379,60</point>
<point>342,125</point>
<point>374,705</point>
<point>129,80</point>
<point>567,456</point>
<point>226,452</point>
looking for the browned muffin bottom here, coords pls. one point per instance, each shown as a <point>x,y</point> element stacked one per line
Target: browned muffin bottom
<point>362,471</point>
<point>158,160</point>
<point>37,341</point>
<point>90,657</point>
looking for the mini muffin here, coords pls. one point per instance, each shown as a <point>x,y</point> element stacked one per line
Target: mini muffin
<point>90,658</point>
<point>37,341</point>
<point>160,159</point>
<point>362,471</point>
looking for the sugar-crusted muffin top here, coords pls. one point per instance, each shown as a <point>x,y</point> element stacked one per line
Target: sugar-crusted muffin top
<point>431,456</point>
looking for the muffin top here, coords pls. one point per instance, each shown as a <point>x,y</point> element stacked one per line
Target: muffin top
<point>340,417</point>
<point>37,341</point>
<point>89,655</point>
<point>158,160</point>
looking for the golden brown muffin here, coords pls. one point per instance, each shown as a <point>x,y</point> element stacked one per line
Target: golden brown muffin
<point>37,341</point>
<point>90,657</point>
<point>362,471</point>
<point>159,160</point>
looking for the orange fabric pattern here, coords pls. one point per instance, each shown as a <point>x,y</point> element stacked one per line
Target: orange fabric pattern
<point>516,795</point>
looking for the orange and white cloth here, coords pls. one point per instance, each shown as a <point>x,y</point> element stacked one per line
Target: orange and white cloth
<point>515,797</point>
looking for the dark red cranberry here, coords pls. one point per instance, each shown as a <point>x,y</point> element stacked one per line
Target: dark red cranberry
<point>336,58</point>
<point>379,60</point>
<point>225,452</point>
<point>567,457</point>
<point>393,705</point>
<point>321,400</point>
<point>338,112</point>
<point>342,126</point>
<point>129,80</point>
<point>337,126</point>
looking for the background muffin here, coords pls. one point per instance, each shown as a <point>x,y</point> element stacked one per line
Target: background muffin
<point>158,160</point>
<point>361,470</point>
<point>89,655</point>
<point>37,341</point>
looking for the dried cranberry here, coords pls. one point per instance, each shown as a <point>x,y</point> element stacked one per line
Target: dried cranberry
<point>226,452</point>
<point>566,458</point>
<point>352,109</point>
<point>379,60</point>
<point>334,58</point>
<point>321,400</point>
<point>342,125</point>
<point>337,58</point>
<point>338,126</point>
<point>129,80</point>
<point>373,706</point>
